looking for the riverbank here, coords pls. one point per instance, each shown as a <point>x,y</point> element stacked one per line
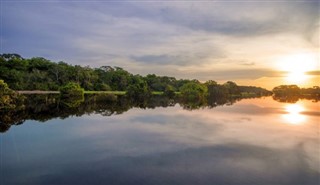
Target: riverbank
<point>38,92</point>
<point>85,92</point>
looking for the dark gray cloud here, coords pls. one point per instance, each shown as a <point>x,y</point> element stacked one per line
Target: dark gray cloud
<point>241,74</point>
<point>135,33</point>
<point>158,59</point>
<point>237,18</point>
<point>181,59</point>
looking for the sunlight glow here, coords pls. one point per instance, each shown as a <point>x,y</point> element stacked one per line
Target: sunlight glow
<point>293,115</point>
<point>297,65</point>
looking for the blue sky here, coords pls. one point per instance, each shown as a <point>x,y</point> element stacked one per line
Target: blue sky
<point>223,40</point>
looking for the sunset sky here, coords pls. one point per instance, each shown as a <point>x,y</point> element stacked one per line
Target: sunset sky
<point>265,43</point>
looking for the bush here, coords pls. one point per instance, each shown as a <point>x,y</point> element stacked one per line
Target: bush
<point>9,99</point>
<point>71,89</point>
<point>138,90</point>
<point>193,91</point>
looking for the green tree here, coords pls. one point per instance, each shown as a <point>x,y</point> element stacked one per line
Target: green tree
<point>72,90</point>
<point>216,90</point>
<point>232,88</point>
<point>138,89</point>
<point>9,99</point>
<point>193,91</point>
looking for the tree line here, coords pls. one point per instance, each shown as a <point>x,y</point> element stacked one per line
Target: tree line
<point>41,74</point>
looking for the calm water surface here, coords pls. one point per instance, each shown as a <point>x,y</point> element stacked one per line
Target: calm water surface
<point>252,142</point>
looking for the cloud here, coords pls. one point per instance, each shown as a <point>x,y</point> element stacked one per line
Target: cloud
<point>248,164</point>
<point>186,40</point>
<point>315,73</point>
<point>248,63</point>
<point>254,73</point>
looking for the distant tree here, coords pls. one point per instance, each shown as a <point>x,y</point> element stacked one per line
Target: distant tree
<point>71,90</point>
<point>314,91</point>
<point>286,90</point>
<point>232,88</point>
<point>193,91</point>
<point>255,91</point>
<point>120,79</point>
<point>138,89</point>
<point>210,83</point>
<point>216,90</point>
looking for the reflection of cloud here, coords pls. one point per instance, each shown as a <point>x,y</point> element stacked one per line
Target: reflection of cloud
<point>251,109</point>
<point>224,145</point>
<point>246,118</point>
<point>227,164</point>
<point>316,73</point>
<point>310,113</point>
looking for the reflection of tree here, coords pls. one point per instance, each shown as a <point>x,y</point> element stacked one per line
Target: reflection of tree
<point>286,99</point>
<point>11,118</point>
<point>294,99</point>
<point>46,107</point>
<point>191,105</point>
<point>74,101</point>
<point>214,101</point>
<point>292,93</point>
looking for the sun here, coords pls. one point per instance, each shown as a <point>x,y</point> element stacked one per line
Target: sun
<point>296,66</point>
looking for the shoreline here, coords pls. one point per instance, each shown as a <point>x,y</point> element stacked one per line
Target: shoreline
<point>38,92</point>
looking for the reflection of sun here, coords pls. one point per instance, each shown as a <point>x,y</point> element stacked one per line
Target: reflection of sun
<point>297,65</point>
<point>293,115</point>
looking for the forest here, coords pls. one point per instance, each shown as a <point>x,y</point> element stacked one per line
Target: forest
<point>42,74</point>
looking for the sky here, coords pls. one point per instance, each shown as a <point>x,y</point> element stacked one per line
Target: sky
<point>250,42</point>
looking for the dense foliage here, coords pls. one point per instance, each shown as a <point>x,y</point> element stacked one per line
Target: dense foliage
<point>9,99</point>
<point>138,89</point>
<point>193,91</point>
<point>42,74</point>
<point>71,90</point>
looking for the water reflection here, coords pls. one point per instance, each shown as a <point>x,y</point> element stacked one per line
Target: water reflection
<point>45,107</point>
<point>241,144</point>
<point>293,114</point>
